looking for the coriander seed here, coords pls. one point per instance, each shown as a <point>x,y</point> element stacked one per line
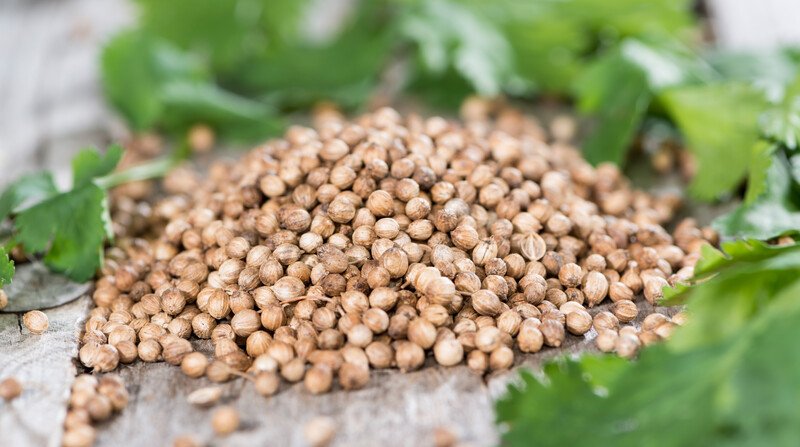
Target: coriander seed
<point>267,383</point>
<point>625,310</point>
<point>318,379</point>
<point>36,321</point>
<point>319,431</point>
<point>194,364</point>
<point>225,420</point>
<point>10,389</point>
<point>448,352</point>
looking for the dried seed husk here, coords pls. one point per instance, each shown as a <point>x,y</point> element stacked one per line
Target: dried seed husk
<point>205,397</point>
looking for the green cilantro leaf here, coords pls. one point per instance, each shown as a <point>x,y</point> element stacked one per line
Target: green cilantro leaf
<point>618,87</point>
<point>553,42</point>
<point>6,268</point>
<point>769,69</point>
<point>89,164</point>
<point>134,68</point>
<point>219,30</point>
<point>617,92</point>
<point>450,35</point>
<point>536,409</point>
<point>773,213</point>
<point>27,189</point>
<point>70,227</point>
<point>734,253</point>
<point>344,68</point>
<point>153,83</point>
<point>548,53</point>
<point>228,33</point>
<point>781,123</point>
<point>720,124</point>
<point>760,162</point>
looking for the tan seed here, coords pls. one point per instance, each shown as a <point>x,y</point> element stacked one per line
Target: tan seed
<point>225,420</point>
<point>36,321</point>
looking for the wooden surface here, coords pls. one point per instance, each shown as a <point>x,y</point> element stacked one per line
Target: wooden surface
<point>52,107</point>
<point>44,365</point>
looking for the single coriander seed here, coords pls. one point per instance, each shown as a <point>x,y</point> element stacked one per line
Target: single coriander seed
<point>225,420</point>
<point>36,321</point>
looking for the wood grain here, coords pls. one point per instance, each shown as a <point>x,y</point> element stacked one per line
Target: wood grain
<point>35,287</point>
<point>44,365</point>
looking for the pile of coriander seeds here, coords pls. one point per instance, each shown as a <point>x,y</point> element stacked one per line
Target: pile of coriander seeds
<point>383,242</point>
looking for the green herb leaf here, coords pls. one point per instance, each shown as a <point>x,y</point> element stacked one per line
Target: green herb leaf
<point>769,69</point>
<point>450,35</point>
<point>536,409</point>
<point>553,42</point>
<point>226,33</point>
<point>720,123</point>
<point>26,190</point>
<point>548,53</point>
<point>135,66</point>
<point>70,227</point>
<point>617,93</point>
<point>739,322</point>
<point>6,268</point>
<point>774,213</point>
<point>89,164</point>
<point>189,103</point>
<point>733,253</point>
<point>760,162</point>
<point>153,84</point>
<point>782,122</point>
<point>212,28</point>
<point>299,75</point>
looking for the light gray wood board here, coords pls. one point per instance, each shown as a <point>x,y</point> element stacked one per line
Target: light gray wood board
<point>49,81</point>
<point>35,287</point>
<point>44,365</point>
<point>395,409</point>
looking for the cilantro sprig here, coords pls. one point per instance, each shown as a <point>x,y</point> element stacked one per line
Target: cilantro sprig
<point>69,228</point>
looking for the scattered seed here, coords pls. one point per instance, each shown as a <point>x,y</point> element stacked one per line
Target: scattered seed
<point>10,389</point>
<point>319,431</point>
<point>36,321</point>
<point>205,397</point>
<point>225,420</point>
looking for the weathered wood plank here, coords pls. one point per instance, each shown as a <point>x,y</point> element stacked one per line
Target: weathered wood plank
<point>35,287</point>
<point>394,409</point>
<point>44,365</point>
<point>49,81</point>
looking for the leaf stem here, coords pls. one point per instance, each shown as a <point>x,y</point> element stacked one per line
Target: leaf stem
<point>146,171</point>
